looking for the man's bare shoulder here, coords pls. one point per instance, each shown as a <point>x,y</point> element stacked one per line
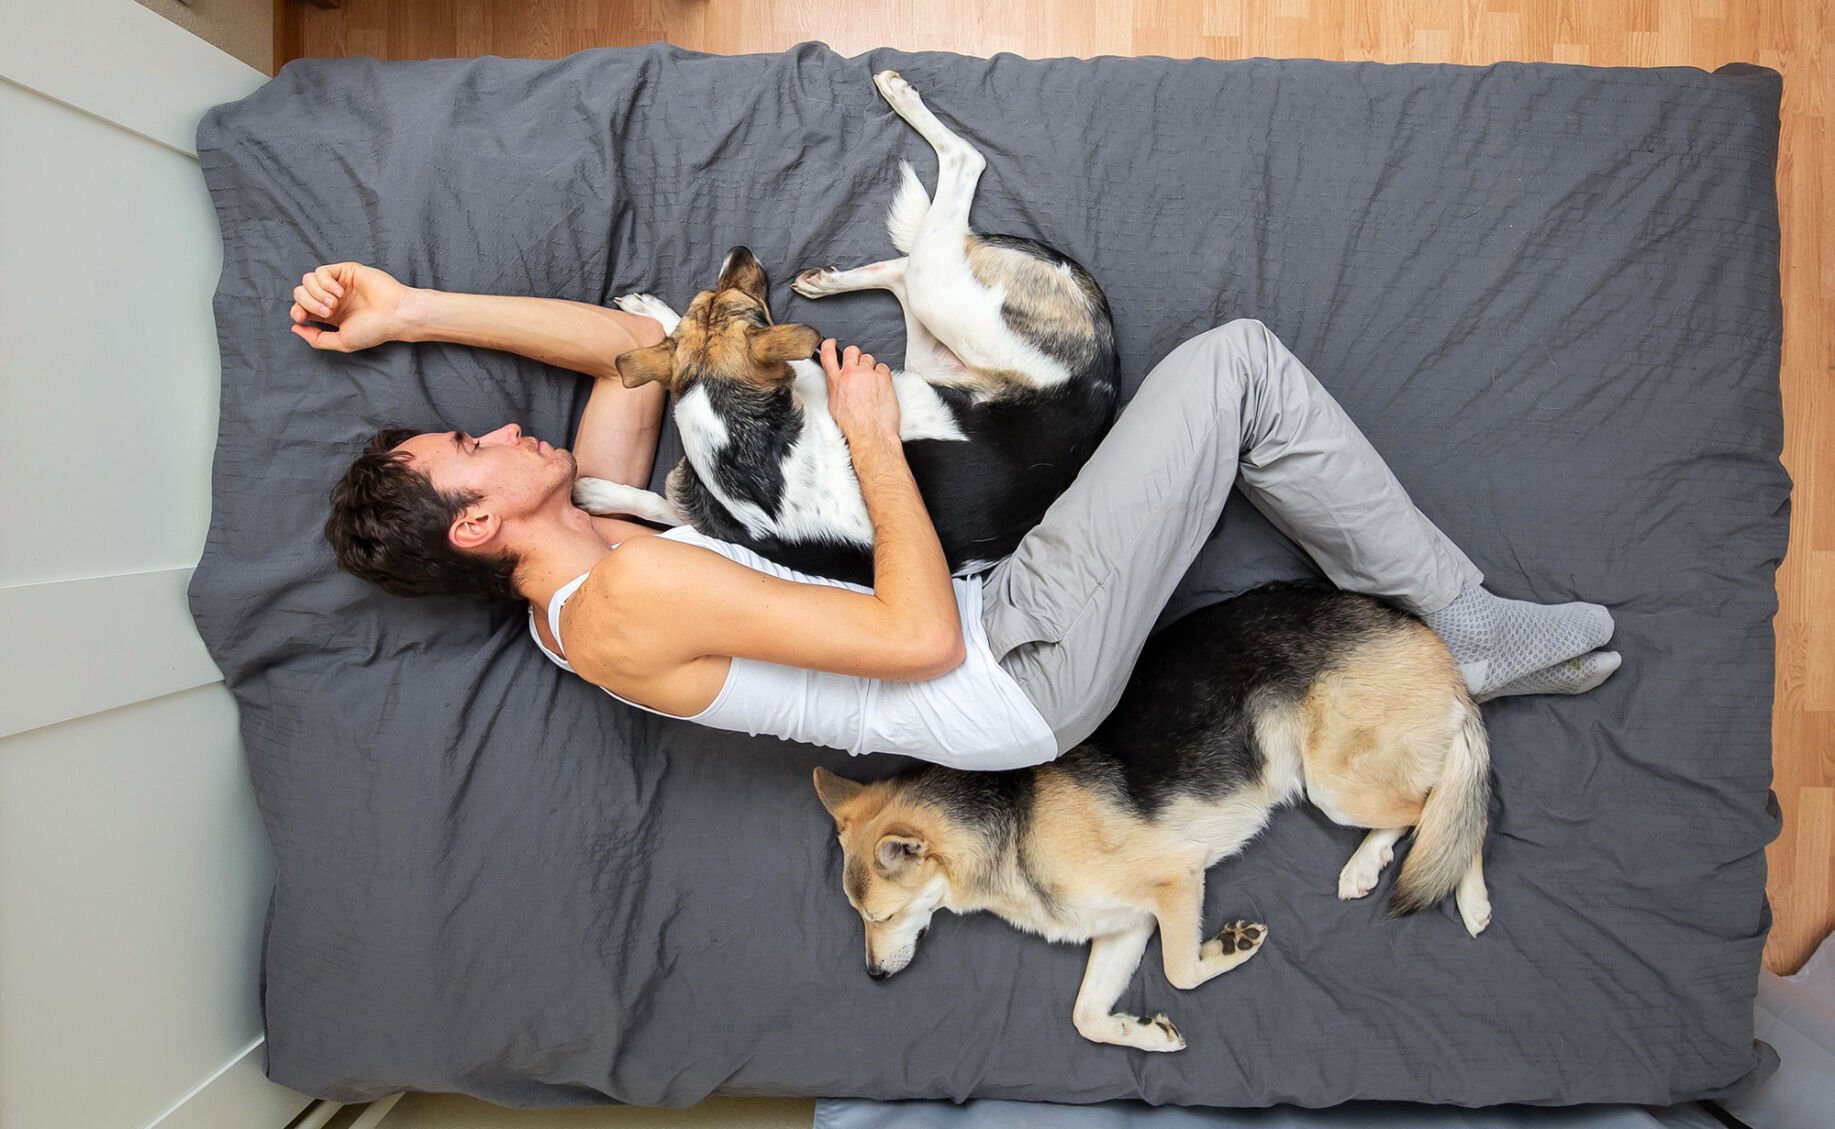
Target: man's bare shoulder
<point>629,589</point>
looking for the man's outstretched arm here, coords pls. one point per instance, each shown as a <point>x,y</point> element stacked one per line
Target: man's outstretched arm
<point>364,306</point>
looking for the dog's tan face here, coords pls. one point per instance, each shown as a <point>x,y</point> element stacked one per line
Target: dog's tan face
<point>726,334</point>
<point>893,871</point>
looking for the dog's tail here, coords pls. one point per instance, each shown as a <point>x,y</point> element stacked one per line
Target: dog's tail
<point>1452,827</point>
<point>908,209</point>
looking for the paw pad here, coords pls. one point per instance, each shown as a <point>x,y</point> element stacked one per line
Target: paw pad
<point>1163,1024</point>
<point>1242,936</point>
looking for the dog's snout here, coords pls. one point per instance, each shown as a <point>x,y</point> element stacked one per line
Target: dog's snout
<point>878,973</point>
<point>921,934</point>
<point>742,271</point>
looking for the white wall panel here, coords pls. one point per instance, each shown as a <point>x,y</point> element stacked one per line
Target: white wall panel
<point>135,875</point>
<point>120,62</point>
<point>108,406</point>
<point>134,871</point>
<point>77,647</point>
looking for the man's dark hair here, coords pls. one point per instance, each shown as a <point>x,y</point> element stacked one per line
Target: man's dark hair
<point>389,524</point>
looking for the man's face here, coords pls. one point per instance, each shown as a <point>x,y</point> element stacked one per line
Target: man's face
<point>513,474</point>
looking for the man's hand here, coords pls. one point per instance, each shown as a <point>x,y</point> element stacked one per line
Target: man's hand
<point>362,304</point>
<point>860,394</point>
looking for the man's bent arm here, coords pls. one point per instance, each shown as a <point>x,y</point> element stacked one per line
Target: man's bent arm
<point>908,627</point>
<point>910,573</point>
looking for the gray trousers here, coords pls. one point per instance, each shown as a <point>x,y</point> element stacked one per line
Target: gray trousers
<point>1068,612</point>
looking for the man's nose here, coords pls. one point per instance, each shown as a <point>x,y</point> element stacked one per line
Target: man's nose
<point>508,433</point>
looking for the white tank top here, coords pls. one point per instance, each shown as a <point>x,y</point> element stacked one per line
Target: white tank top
<point>974,717</point>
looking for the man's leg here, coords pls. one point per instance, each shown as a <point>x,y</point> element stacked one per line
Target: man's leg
<point>1069,612</point>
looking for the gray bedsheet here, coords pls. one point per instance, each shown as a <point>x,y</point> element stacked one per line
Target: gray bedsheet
<point>1550,296</point>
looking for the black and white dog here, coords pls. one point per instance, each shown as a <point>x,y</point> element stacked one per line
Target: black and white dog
<point>1010,381</point>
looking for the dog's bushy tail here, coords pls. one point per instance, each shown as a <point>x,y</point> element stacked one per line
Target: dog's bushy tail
<point>1452,827</point>
<point>908,209</point>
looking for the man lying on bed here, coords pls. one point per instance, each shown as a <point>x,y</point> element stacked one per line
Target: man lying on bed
<point>998,672</point>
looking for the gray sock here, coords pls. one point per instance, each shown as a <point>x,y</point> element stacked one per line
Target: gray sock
<point>1497,641</point>
<point>1575,676</point>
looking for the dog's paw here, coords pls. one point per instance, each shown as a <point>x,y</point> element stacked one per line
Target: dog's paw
<point>813,283</point>
<point>1242,938</point>
<point>1474,910</point>
<point>604,498</point>
<point>648,306</point>
<point>894,89</point>
<point>598,496</point>
<point>1158,1034</point>
<point>1155,1033</point>
<point>1359,875</point>
<point>1233,944</point>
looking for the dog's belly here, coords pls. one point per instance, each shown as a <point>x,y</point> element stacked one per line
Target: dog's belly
<point>1091,918</point>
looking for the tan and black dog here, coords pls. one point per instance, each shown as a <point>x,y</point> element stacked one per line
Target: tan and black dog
<point>1010,380</point>
<point>1236,709</point>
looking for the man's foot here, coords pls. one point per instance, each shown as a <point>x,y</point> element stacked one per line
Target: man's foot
<point>1497,641</point>
<point>1575,676</point>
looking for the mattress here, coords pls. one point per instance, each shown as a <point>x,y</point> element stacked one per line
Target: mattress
<point>1548,294</point>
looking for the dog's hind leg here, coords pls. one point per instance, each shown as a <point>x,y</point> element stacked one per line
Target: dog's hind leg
<point>944,292</point>
<point>959,165</point>
<point>1473,900</point>
<point>1179,904</point>
<point>1377,851</point>
<point>1113,959</point>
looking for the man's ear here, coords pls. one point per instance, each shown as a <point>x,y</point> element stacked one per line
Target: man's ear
<point>895,852</point>
<point>835,792</point>
<point>653,362</point>
<point>784,343</point>
<point>474,529</point>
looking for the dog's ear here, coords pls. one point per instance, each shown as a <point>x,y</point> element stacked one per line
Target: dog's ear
<point>784,343</point>
<point>895,852</point>
<point>653,362</point>
<point>835,791</point>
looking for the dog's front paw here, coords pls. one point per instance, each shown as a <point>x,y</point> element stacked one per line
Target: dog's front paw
<point>1243,938</point>
<point>649,306</point>
<point>604,498</point>
<point>1155,1033</point>
<point>1158,1034</point>
<point>599,497</point>
<point>815,282</point>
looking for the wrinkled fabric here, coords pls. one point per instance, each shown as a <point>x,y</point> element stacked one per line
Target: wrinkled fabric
<point>1549,297</point>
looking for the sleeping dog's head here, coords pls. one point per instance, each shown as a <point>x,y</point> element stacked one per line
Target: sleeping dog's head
<point>894,873</point>
<point>726,334</point>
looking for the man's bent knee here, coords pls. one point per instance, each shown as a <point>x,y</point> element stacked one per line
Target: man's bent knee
<point>1244,339</point>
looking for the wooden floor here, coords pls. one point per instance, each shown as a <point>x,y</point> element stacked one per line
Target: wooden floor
<point>1791,36</point>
